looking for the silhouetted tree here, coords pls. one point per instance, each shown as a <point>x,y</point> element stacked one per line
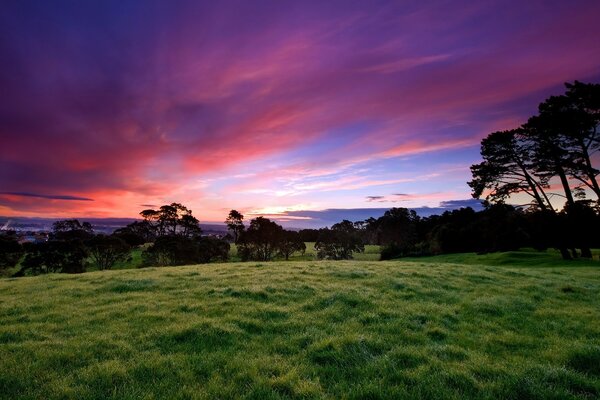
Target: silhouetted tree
<point>106,251</point>
<point>260,241</point>
<point>507,169</point>
<point>235,224</point>
<point>54,256</point>
<point>137,233</point>
<point>572,121</point>
<point>71,229</point>
<point>171,250</point>
<point>309,235</point>
<point>10,251</point>
<point>212,249</point>
<point>172,219</point>
<point>181,250</point>
<point>339,242</point>
<point>290,243</point>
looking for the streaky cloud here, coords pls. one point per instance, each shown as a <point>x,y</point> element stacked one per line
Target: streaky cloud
<point>47,196</point>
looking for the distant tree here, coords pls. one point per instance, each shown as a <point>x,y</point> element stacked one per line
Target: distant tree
<point>54,256</point>
<point>172,219</point>
<point>106,251</point>
<point>10,251</point>
<point>235,224</point>
<point>339,242</point>
<point>71,229</point>
<point>137,233</point>
<point>290,243</point>
<point>309,235</point>
<point>212,249</point>
<point>181,250</point>
<point>190,226</point>
<point>260,241</point>
<point>171,250</point>
<point>397,232</point>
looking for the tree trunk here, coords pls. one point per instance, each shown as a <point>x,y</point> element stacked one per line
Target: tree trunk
<point>565,253</point>
<point>589,169</point>
<point>574,252</point>
<point>586,252</point>
<point>566,187</point>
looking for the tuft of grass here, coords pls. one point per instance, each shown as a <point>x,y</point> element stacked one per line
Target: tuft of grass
<point>305,330</point>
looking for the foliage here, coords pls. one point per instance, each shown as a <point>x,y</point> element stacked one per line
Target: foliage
<point>10,251</point>
<point>71,229</point>
<point>106,251</point>
<point>181,250</point>
<point>171,250</point>
<point>556,145</point>
<point>172,219</point>
<point>212,249</point>
<point>339,242</point>
<point>290,243</point>
<point>54,256</point>
<point>235,224</point>
<point>137,233</point>
<point>261,241</point>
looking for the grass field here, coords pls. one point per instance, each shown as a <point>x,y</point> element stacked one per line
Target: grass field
<point>355,329</point>
<point>371,253</point>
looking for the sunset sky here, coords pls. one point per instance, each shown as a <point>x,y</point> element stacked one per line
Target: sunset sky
<point>275,108</point>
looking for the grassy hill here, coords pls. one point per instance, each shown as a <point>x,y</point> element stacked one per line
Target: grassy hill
<point>306,329</point>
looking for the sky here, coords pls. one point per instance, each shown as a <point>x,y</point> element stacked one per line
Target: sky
<point>289,109</point>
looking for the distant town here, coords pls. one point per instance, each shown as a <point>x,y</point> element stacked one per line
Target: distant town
<point>36,230</point>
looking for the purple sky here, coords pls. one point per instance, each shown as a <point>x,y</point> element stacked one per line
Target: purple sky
<point>274,108</point>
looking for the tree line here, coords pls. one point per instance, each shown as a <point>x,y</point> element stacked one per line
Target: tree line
<point>172,236</point>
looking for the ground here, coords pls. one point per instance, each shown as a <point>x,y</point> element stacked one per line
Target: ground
<point>428,328</point>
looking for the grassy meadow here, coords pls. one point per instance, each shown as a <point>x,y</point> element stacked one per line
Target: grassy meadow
<point>429,329</point>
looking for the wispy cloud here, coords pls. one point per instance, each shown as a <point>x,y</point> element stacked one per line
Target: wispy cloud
<point>46,196</point>
<point>322,103</point>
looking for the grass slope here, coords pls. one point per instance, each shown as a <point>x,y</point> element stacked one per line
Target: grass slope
<point>356,330</point>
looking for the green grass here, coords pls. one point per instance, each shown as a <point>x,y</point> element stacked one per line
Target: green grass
<point>312,329</point>
<point>371,253</point>
<point>521,258</point>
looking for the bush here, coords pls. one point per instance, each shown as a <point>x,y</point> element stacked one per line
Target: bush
<point>339,242</point>
<point>181,250</point>
<point>54,256</point>
<point>107,250</point>
<point>10,251</point>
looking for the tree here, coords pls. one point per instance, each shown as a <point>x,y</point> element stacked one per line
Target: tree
<point>106,251</point>
<point>507,169</point>
<point>212,249</point>
<point>290,243</point>
<point>396,232</point>
<point>190,226</point>
<point>260,241</point>
<point>171,250</point>
<point>71,229</point>
<point>568,128</point>
<point>181,250</point>
<point>54,256</point>
<point>556,144</point>
<point>137,233</point>
<point>339,242</point>
<point>10,251</point>
<point>172,219</point>
<point>235,224</point>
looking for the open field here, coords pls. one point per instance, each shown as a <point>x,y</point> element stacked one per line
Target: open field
<point>371,253</point>
<point>303,330</point>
